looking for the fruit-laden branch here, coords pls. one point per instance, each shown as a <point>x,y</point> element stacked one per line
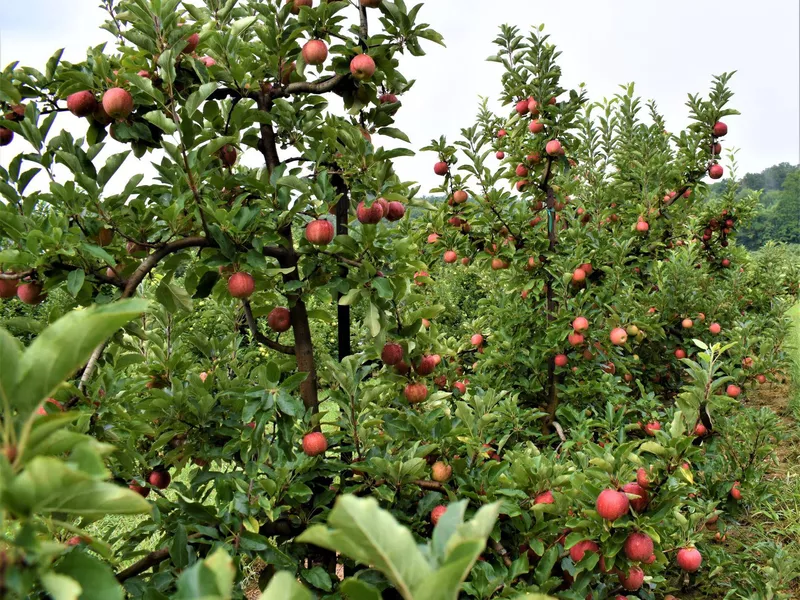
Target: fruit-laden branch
<point>150,560</point>
<point>260,337</point>
<point>309,87</point>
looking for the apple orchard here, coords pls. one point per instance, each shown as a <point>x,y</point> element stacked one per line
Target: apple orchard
<point>230,379</point>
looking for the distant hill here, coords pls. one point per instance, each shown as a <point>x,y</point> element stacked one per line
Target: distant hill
<point>778,218</point>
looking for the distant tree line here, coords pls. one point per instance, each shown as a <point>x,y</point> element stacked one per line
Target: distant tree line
<point>778,218</point>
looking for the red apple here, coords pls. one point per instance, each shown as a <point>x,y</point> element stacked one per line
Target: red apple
<point>502,133</point>
<point>320,232</point>
<point>522,171</point>
<point>426,365</point>
<point>545,498</point>
<point>611,504</point>
<point>578,275</point>
<point>640,502</point>
<point>450,257</point>
<point>719,129</point>
<point>476,340</point>
<point>208,61</point>
<point>642,226</point>
<point>642,478</point>
<point>395,211</point>
<point>687,323</point>
<point>715,328</point>
<point>500,155</point>
<point>30,293</point>
<point>362,67</point>
<point>680,353</point>
<point>8,288</point>
<point>159,479</point>
<point>392,353</point>
<point>314,443</point>
<point>315,52</point>
<point>43,411</point>
<point>460,386</point>
<point>6,135</point>
<point>437,513</point>
<point>522,107</point>
<point>296,4</point>
<point>227,155</point>
<point>560,360</point>
<point>117,103</point>
<point>579,550</point>
<point>618,336</point>
<point>279,319</point>
<point>689,559</point>
<point>191,44</point>
<point>633,580</point>
<point>82,104</point>
<point>144,492</point>
<point>241,285</point>
<point>580,324</point>
<point>736,493</point>
<point>441,168</point>
<point>700,430</point>
<point>553,148</point>
<point>441,472</point>
<point>536,127</point>
<point>638,547</point>
<point>388,98</point>
<point>575,339</point>
<point>369,215</point>
<point>371,3</point>
<point>761,378</point>
<point>715,171</point>
<point>415,392</point>
<point>733,390</point>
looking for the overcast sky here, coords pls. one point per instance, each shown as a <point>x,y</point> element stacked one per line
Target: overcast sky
<point>668,48</point>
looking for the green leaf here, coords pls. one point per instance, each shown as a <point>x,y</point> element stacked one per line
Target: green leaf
<point>240,25</point>
<point>48,485</point>
<point>94,576</point>
<point>317,577</point>
<point>393,132</point>
<point>355,589</point>
<point>373,320</point>
<point>362,531</point>
<point>10,353</point>
<point>52,63</point>
<point>160,120</point>
<point>64,346</point>
<point>112,164</point>
<point>100,253</point>
<point>173,297</point>
<point>210,579</point>
<point>75,281</point>
<point>284,586</point>
<point>197,98</point>
<point>61,587</point>
<point>8,92</point>
<point>178,549</point>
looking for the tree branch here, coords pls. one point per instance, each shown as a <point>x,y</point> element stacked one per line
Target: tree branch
<point>429,485</point>
<point>307,87</point>
<point>260,337</point>
<point>21,275</point>
<point>150,560</point>
<point>151,261</point>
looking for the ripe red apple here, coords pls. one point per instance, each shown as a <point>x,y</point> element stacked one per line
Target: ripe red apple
<point>450,257</point>
<point>191,44</point>
<point>159,479</point>
<point>30,293</point>
<point>500,155</point>
<point>315,52</point>
<point>144,492</point>
<point>476,339</point>
<point>715,328</point>
<point>279,319</point>
<point>362,67</point>
<point>719,129</point>
<point>640,502</point>
<point>717,148</point>
<point>441,168</point>
<point>371,3</point>
<point>82,104</point>
<point>320,232</point>
<point>395,211</point>
<point>460,386</point>
<point>642,226</point>
<point>689,559</point>
<point>545,498</point>
<point>553,148</point>
<point>578,275</point>
<point>638,547</point>
<point>433,238</point>
<point>418,280</point>
<point>536,127</point>
<point>208,61</point>
<point>580,324</point>
<point>227,154</point>
<point>502,133</point>
<point>736,493</point>
<point>392,353</point>
<point>687,323</point>
<point>426,365</point>
<point>314,443</point>
<point>575,339</point>
<point>560,360</point>
<point>618,336</point>
<point>715,171</point>
<point>8,288</point>
<point>459,196</point>
<point>651,428</point>
<point>388,98</point>
<point>733,390</point>
<point>415,392</point>
<point>369,215</point>
<point>437,513</point>
<point>761,378</point>
<point>633,580</point>
<point>747,362</point>
<point>533,107</point>
<point>642,478</point>
<point>117,103</point>
<point>579,550</point>
<point>241,285</point>
<point>441,472</point>
<point>43,411</point>
<point>6,135</point>
<point>680,353</point>
<point>521,171</point>
<point>726,263</point>
<point>700,430</point>
<point>499,264</point>
<point>522,107</point>
<point>611,504</point>
<point>296,4</point>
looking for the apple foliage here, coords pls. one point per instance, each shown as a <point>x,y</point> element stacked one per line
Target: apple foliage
<point>501,413</point>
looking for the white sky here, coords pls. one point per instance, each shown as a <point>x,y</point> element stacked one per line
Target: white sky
<point>668,48</point>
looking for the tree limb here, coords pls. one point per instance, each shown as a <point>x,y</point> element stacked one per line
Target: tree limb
<point>150,560</point>
<point>260,337</point>
<point>151,261</point>
<point>429,485</point>
<point>21,275</point>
